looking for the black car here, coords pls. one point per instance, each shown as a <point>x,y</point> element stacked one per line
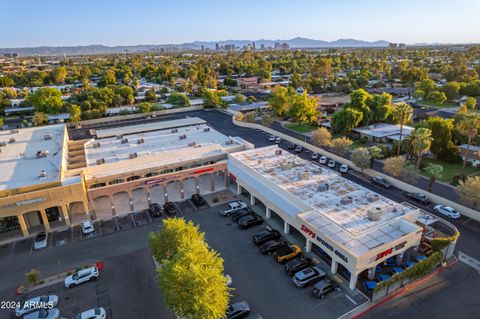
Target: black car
<point>297,264</point>
<point>298,149</point>
<point>249,221</point>
<point>291,146</point>
<point>264,236</point>
<point>270,246</point>
<point>382,182</point>
<point>170,209</point>
<point>323,288</point>
<point>419,197</point>
<point>238,310</point>
<point>198,200</point>
<point>236,216</point>
<point>155,210</point>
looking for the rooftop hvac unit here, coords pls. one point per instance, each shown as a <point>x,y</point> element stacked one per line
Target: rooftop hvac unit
<point>96,145</point>
<point>323,187</point>
<point>207,129</point>
<point>14,131</point>
<point>100,161</point>
<point>133,155</point>
<point>278,152</point>
<point>42,174</point>
<point>140,141</point>
<point>124,141</point>
<point>3,143</point>
<point>304,175</point>
<point>374,214</point>
<point>192,144</point>
<point>41,154</point>
<point>373,198</point>
<point>174,130</point>
<point>182,137</point>
<point>12,140</point>
<point>119,137</point>
<point>346,200</point>
<point>48,136</point>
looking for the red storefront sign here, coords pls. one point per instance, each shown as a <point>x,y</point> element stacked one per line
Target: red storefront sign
<point>233,178</point>
<point>200,171</point>
<point>308,231</point>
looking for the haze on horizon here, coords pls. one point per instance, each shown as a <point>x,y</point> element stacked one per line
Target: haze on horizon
<point>123,22</point>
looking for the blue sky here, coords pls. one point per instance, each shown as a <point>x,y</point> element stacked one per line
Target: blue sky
<point>122,22</point>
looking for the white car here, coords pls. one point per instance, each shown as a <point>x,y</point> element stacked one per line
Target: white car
<point>323,160</point>
<point>87,227</point>
<point>53,313</point>
<point>37,303</point>
<point>447,211</point>
<point>81,276</point>
<point>96,313</point>
<point>314,156</point>
<point>278,140</point>
<point>343,168</point>
<point>272,138</point>
<point>331,164</point>
<point>233,207</point>
<point>40,241</point>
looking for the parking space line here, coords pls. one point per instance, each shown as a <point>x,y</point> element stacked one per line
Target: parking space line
<point>353,301</point>
<point>100,229</point>
<point>116,223</point>
<point>466,221</point>
<point>327,298</point>
<point>11,252</point>
<point>191,204</point>
<point>31,248</point>
<point>149,218</point>
<point>133,219</point>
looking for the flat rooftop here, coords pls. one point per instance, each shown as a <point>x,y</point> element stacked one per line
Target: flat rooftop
<point>19,164</point>
<point>162,141</point>
<point>383,130</point>
<point>339,207</point>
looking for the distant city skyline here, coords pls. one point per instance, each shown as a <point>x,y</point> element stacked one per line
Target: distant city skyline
<point>30,23</point>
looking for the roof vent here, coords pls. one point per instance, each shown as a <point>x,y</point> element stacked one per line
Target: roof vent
<point>48,136</point>
<point>174,130</point>
<point>12,140</point>
<point>124,141</point>
<point>182,137</point>
<point>207,129</point>
<point>323,187</point>
<point>278,152</point>
<point>119,137</point>
<point>374,214</point>
<point>229,142</point>
<point>346,200</point>
<point>42,174</point>
<point>140,141</point>
<point>14,131</point>
<point>100,161</point>
<point>192,144</point>
<point>41,154</point>
<point>133,155</point>
<point>96,145</point>
<point>373,198</point>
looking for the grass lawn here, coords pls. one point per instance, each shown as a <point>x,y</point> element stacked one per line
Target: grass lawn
<point>450,170</point>
<point>300,127</point>
<point>443,105</point>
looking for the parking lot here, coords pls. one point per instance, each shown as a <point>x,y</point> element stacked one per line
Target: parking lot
<point>260,280</point>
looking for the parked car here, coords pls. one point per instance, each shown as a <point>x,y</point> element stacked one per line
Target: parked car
<point>249,221</point>
<point>87,227</point>
<point>272,138</point>
<point>419,197</point>
<point>40,241</point>
<point>255,316</point>
<point>270,246</point>
<point>343,168</point>
<point>233,207</point>
<point>297,264</point>
<point>286,252</point>
<point>81,276</point>
<point>170,209</point>
<point>278,140</point>
<point>156,210</point>
<point>34,304</point>
<point>53,313</point>
<point>198,200</point>
<point>264,236</point>
<point>238,310</point>
<point>96,313</point>
<point>298,149</point>
<point>323,288</point>
<point>315,156</point>
<point>291,146</point>
<point>382,182</point>
<point>236,216</point>
<point>323,160</point>
<point>308,276</point>
<point>332,164</point>
<point>447,211</point>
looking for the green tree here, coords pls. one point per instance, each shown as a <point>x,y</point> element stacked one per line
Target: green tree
<point>451,90</point>
<point>375,152</point>
<point>361,158</point>
<point>321,137</point>
<point>145,107</point>
<point>75,113</point>
<point>296,80</point>
<point>39,118</point>
<point>441,133</point>
<point>341,145</point>
<point>1,122</point>
<point>279,101</point>
<point>10,93</point>
<point>46,100</point>
<point>211,99</point>
<point>151,96</point>
<point>346,120</point>
<point>32,277</point>
<point>267,120</point>
<point>239,99</point>
<point>410,173</point>
<point>107,79</point>
<point>421,142</point>
<point>402,115</point>
<point>437,97</point>
<point>469,191</point>
<point>394,165</point>
<point>468,126</point>
<point>303,107</point>
<point>178,100</point>
<point>435,172</point>
<point>427,86</point>
<point>470,102</point>
<point>59,74</point>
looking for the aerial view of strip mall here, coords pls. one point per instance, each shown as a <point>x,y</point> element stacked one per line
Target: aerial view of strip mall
<point>254,159</point>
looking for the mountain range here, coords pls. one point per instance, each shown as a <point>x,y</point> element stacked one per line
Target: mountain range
<point>297,42</point>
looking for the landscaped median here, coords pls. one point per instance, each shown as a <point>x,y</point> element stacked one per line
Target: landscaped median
<point>471,213</point>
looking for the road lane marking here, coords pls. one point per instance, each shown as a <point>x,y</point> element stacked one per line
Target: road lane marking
<point>466,221</point>
<point>470,261</point>
<point>11,252</point>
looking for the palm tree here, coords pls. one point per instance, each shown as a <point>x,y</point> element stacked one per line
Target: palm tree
<point>435,172</point>
<point>469,126</point>
<point>402,114</point>
<point>421,142</point>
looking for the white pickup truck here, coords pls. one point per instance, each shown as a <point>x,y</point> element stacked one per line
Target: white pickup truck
<point>233,207</point>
